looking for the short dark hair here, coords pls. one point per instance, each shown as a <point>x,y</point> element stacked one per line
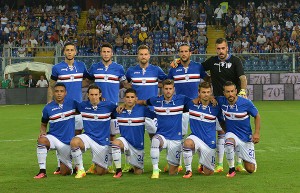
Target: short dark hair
<point>229,83</point>
<point>221,40</point>
<point>204,85</point>
<point>130,90</point>
<point>93,86</point>
<point>60,84</point>
<point>69,44</point>
<point>143,47</point>
<point>106,45</point>
<point>168,82</point>
<point>184,44</point>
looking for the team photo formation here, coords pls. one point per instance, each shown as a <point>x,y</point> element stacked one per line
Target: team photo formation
<point>202,109</point>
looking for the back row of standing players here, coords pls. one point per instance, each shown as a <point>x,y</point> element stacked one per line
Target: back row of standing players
<point>144,79</point>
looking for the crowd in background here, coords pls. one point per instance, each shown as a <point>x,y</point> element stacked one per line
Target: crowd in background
<point>250,28</point>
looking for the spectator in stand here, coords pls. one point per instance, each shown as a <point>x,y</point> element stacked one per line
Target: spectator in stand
<point>218,17</point>
<point>92,13</point>
<point>43,83</point>
<point>172,22</point>
<point>261,39</point>
<point>209,9</point>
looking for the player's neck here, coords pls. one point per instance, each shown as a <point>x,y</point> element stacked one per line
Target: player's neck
<point>204,103</point>
<point>60,102</point>
<point>186,64</point>
<point>127,107</point>
<point>144,65</point>
<point>106,64</point>
<point>69,62</point>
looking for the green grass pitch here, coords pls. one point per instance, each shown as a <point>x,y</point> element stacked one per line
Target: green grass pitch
<point>277,154</point>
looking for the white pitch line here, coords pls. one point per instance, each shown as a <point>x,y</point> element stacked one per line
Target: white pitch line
<point>16,140</point>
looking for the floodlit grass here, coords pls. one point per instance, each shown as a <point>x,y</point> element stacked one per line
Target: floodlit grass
<point>278,158</point>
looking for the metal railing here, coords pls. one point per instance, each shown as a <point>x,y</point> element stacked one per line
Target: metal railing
<point>256,62</point>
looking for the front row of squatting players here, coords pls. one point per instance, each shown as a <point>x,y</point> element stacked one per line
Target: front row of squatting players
<point>231,110</point>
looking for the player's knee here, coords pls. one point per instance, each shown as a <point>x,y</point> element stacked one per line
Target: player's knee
<point>249,167</point>
<point>207,171</point>
<point>43,140</point>
<point>138,171</point>
<point>188,143</point>
<point>229,142</point>
<point>76,142</point>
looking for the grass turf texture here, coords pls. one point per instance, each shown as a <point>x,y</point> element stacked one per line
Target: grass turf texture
<point>277,155</point>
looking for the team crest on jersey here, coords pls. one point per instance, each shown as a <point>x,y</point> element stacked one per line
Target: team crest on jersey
<point>201,116</point>
<point>144,81</point>
<point>72,77</point>
<point>62,115</point>
<point>187,77</point>
<point>95,117</point>
<point>129,121</point>
<point>167,110</point>
<point>105,77</point>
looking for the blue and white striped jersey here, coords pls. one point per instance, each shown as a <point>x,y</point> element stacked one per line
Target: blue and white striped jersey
<point>237,116</point>
<point>96,120</point>
<point>187,79</point>
<point>132,124</point>
<point>145,81</point>
<point>72,77</point>
<point>61,119</point>
<point>169,115</point>
<point>108,79</point>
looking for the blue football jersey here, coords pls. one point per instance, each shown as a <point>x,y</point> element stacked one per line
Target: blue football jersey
<point>61,119</point>
<point>203,122</point>
<point>132,124</point>
<point>187,79</point>
<point>237,116</point>
<point>169,115</point>
<point>71,77</point>
<point>145,81</point>
<point>108,79</point>
<point>96,120</point>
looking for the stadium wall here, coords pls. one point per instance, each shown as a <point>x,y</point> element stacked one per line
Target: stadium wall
<point>261,87</point>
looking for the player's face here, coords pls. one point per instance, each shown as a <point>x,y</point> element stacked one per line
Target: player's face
<point>94,96</point>
<point>204,94</point>
<point>168,91</point>
<point>59,93</point>
<point>230,93</point>
<point>222,50</point>
<point>143,56</point>
<point>130,99</point>
<point>70,52</point>
<point>184,53</point>
<point>106,54</point>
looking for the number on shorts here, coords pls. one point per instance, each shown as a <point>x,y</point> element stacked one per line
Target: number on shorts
<point>213,159</point>
<point>178,154</point>
<point>251,153</point>
<point>140,158</point>
<point>106,158</point>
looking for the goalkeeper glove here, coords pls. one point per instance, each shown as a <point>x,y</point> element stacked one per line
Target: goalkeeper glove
<point>242,93</point>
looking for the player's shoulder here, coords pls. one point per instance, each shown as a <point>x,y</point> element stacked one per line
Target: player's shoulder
<point>117,65</point>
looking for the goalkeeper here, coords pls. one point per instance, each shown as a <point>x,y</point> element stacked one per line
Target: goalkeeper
<point>224,67</point>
